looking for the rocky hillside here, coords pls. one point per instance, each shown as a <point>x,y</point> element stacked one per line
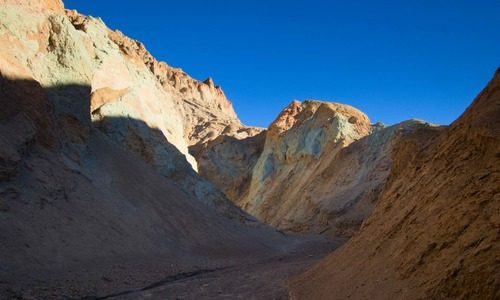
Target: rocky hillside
<point>130,90</point>
<point>319,167</point>
<point>435,231</point>
<point>97,189</point>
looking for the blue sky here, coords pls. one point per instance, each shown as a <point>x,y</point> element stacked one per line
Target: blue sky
<point>394,60</point>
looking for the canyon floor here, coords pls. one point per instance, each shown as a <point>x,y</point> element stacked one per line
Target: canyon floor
<point>254,278</point>
<point>258,276</point>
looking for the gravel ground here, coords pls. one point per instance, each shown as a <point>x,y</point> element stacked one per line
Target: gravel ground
<point>256,279</point>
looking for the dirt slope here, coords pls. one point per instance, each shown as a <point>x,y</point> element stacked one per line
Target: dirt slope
<point>435,232</point>
<point>84,208</point>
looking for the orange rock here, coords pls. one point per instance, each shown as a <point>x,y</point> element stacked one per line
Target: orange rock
<point>55,6</point>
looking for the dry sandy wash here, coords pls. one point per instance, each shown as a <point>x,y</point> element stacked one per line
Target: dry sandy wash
<point>122,177</point>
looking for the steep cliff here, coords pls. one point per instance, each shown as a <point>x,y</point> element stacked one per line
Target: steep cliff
<point>435,231</point>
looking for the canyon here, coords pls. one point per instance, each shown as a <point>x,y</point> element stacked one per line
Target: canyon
<point>121,177</point>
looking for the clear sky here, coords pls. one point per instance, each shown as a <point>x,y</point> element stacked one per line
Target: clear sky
<point>394,60</point>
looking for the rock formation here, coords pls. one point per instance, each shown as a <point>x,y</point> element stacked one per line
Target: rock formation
<point>228,162</point>
<point>435,231</point>
<point>96,180</point>
<point>100,145</point>
<point>319,168</point>
<point>126,83</point>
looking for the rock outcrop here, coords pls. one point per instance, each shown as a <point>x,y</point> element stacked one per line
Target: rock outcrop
<point>319,168</point>
<point>435,231</point>
<point>38,6</point>
<point>299,144</point>
<point>206,112</point>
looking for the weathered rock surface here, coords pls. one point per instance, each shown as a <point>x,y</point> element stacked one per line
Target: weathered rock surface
<point>299,144</point>
<point>70,220</point>
<point>97,193</point>
<point>206,112</point>
<point>336,192</point>
<point>126,84</point>
<point>38,6</point>
<point>319,168</point>
<point>435,231</point>
<point>228,162</point>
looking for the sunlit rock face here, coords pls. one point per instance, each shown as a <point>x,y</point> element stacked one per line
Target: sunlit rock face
<point>118,80</point>
<point>299,145</point>
<point>319,167</point>
<point>228,162</point>
<point>54,6</point>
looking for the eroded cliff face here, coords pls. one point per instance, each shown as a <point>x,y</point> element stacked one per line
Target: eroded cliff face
<point>320,167</point>
<point>300,143</point>
<point>43,43</point>
<point>435,231</point>
<point>205,110</point>
<point>303,174</point>
<point>334,192</point>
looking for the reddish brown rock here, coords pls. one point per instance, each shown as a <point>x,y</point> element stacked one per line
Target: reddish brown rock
<point>103,96</point>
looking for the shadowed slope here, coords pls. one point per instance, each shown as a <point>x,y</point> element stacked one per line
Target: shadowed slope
<point>85,208</point>
<point>435,232</point>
